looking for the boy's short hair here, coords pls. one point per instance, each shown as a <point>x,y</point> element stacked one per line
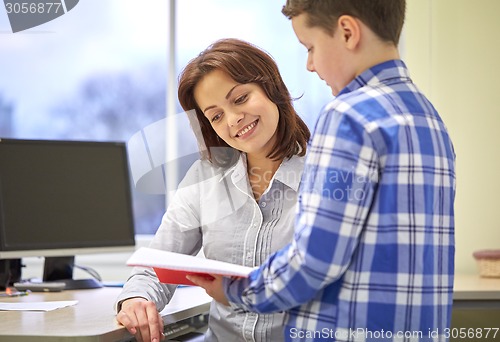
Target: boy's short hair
<point>384,17</point>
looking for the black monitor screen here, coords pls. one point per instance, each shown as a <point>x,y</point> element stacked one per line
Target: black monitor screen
<point>63,196</point>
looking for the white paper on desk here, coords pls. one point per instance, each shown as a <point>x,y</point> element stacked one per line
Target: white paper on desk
<point>36,306</point>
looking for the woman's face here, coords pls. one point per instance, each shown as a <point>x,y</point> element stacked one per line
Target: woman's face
<point>241,114</point>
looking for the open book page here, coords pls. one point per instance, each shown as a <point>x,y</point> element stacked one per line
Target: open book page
<point>172,268</point>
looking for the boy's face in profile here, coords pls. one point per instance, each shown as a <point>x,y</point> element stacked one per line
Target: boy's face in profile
<point>327,55</point>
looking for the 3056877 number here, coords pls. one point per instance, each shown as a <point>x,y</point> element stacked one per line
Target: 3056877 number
<point>33,7</point>
<point>470,333</point>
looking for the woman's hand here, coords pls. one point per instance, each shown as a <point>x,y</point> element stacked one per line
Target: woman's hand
<point>141,319</point>
<point>213,287</point>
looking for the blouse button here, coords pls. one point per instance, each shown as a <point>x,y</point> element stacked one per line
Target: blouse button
<point>263,204</point>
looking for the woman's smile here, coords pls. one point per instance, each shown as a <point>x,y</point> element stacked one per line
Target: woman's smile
<point>247,131</point>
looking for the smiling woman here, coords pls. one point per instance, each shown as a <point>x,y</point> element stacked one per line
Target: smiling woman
<point>238,202</point>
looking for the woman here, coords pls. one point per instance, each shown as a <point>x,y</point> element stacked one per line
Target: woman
<point>237,202</point>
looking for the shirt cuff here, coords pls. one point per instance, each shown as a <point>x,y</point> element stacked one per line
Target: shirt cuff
<point>233,293</point>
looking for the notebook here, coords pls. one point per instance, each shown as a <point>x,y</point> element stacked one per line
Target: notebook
<point>172,268</point>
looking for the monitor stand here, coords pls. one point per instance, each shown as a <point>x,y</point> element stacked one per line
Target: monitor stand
<point>60,269</point>
<point>10,272</point>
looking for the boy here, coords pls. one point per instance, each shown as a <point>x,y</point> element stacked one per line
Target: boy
<point>373,253</point>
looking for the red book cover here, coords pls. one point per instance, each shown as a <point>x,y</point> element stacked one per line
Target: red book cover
<point>176,277</point>
<point>172,268</point>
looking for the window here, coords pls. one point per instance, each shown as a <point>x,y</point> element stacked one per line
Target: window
<point>96,73</point>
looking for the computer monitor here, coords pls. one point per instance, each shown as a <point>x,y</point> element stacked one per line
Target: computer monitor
<point>63,198</point>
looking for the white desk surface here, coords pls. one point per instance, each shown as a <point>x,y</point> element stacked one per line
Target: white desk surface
<point>92,319</point>
<point>474,287</point>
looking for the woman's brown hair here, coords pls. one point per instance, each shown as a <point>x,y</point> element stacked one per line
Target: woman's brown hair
<point>244,63</point>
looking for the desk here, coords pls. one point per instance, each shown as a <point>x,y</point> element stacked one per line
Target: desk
<point>473,287</point>
<point>92,319</point>
<point>476,304</point>
<point>476,307</point>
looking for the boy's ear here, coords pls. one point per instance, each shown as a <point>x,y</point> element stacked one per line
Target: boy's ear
<point>350,30</point>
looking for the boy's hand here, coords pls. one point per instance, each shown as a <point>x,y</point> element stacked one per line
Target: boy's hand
<point>213,287</point>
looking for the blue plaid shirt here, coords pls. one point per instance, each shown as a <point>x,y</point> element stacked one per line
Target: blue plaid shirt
<point>373,253</point>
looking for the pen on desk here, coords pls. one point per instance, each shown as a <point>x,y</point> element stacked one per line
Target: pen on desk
<point>14,293</point>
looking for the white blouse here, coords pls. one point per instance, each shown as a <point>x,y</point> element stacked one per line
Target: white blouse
<point>214,209</point>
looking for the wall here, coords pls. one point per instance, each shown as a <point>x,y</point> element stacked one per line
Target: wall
<point>452,50</point>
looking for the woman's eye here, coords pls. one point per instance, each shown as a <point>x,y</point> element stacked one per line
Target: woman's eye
<point>241,99</point>
<point>216,117</point>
